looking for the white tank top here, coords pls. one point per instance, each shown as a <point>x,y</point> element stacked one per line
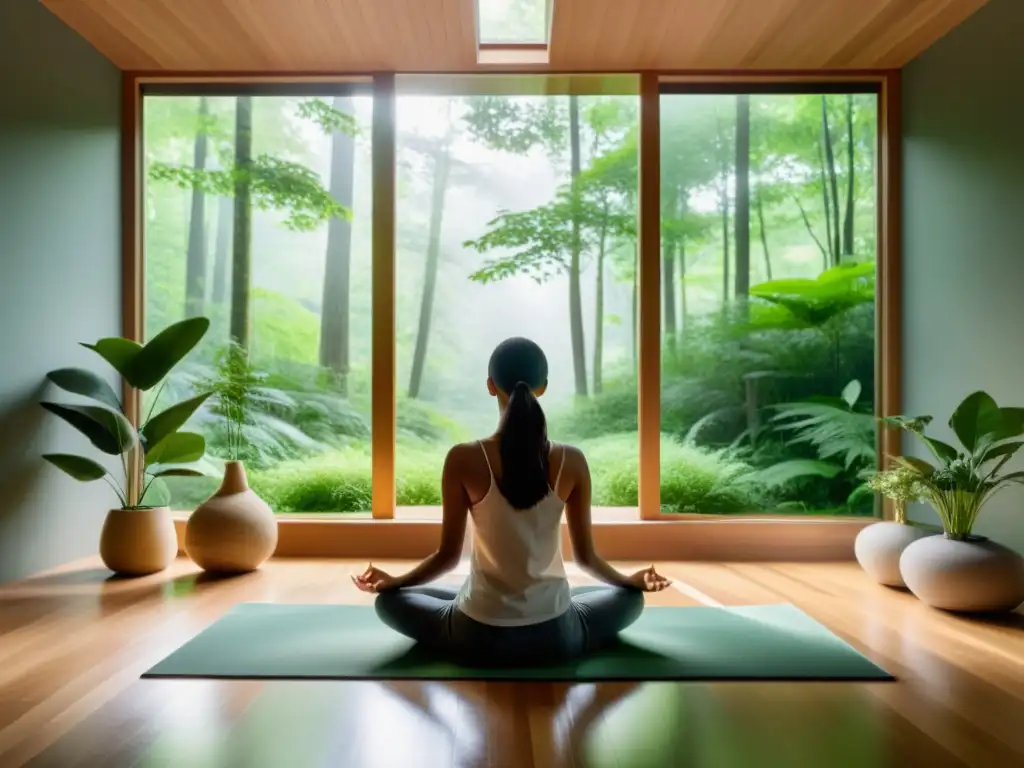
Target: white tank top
<point>516,573</point>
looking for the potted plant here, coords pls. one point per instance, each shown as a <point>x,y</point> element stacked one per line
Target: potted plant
<point>878,547</point>
<point>137,538</point>
<point>960,571</point>
<point>234,531</point>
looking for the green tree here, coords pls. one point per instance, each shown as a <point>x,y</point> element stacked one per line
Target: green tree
<point>439,153</point>
<point>195,263</point>
<point>335,306</point>
<point>268,182</point>
<point>518,125</point>
<point>742,196</point>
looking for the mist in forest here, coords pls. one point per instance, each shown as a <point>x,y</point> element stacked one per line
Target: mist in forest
<point>517,216</point>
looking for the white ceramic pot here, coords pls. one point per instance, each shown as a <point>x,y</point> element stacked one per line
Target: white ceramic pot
<point>878,549</point>
<point>234,531</point>
<point>975,575</point>
<point>137,542</point>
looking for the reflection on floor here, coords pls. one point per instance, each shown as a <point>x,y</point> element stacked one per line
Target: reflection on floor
<point>75,644</point>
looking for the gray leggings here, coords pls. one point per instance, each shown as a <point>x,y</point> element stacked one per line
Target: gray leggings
<point>428,615</point>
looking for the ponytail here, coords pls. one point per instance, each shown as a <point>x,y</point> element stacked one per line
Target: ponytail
<point>524,450</point>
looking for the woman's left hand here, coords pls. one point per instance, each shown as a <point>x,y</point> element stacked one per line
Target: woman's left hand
<point>374,580</point>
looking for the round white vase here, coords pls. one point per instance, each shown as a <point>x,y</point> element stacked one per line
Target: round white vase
<point>878,549</point>
<point>974,575</point>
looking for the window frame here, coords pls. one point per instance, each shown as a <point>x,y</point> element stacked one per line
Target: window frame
<point>652,85</point>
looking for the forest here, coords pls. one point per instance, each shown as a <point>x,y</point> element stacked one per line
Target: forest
<point>517,215</point>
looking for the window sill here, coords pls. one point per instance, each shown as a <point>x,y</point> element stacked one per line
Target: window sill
<point>672,537</point>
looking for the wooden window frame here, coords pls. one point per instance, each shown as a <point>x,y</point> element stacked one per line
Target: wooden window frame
<point>714,536</point>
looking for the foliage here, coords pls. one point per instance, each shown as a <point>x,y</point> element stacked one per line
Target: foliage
<point>962,480</point>
<point>275,184</point>
<point>842,437</point>
<point>158,448</point>
<point>821,300</point>
<point>236,391</point>
<point>899,485</point>
<point>726,363</point>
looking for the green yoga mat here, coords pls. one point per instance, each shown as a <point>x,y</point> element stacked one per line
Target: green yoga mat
<point>761,642</point>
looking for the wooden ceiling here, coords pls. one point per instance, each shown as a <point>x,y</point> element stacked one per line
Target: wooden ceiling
<point>351,36</point>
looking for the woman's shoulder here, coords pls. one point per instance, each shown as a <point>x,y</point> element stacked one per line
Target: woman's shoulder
<point>571,455</point>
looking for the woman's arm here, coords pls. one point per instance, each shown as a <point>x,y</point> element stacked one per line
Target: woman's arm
<point>455,509</point>
<point>577,514</point>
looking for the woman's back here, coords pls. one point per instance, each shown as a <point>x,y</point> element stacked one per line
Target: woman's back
<point>517,575</point>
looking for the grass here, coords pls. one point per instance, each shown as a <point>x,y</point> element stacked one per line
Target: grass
<point>694,480</point>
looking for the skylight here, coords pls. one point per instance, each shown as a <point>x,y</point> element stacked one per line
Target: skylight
<point>512,22</point>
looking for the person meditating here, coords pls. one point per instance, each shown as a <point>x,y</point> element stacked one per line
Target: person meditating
<point>516,606</point>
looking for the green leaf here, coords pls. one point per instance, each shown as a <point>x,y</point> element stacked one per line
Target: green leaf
<point>118,352</point>
<point>177,448</point>
<point>851,393</point>
<point>1003,449</point>
<point>155,360</point>
<point>915,424</point>
<point>107,430</point>
<point>178,472</point>
<point>1013,422</point>
<point>78,467</point>
<point>976,417</point>
<point>943,451</point>
<point>171,419</point>
<point>86,383</point>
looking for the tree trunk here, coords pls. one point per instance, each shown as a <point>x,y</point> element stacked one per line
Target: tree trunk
<point>221,258</point>
<point>599,302</point>
<point>826,252</point>
<point>683,307</point>
<point>830,159</point>
<point>335,307</point>
<point>742,196</point>
<point>442,167</point>
<point>241,263</point>
<point>195,262</point>
<point>723,194</point>
<point>764,235</point>
<point>848,219</point>
<point>810,231</point>
<point>579,358</point>
<point>668,280</point>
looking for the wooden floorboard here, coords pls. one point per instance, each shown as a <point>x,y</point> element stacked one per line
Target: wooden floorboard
<point>75,642</point>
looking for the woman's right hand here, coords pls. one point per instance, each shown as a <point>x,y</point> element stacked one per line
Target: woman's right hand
<point>648,580</point>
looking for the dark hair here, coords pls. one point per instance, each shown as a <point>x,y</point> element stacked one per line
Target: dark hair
<point>517,368</point>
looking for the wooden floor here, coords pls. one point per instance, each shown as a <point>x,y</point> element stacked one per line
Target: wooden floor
<point>73,645</point>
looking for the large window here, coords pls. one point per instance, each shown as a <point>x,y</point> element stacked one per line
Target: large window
<point>768,206</point>
<point>517,217</point>
<point>517,211</point>
<point>257,215</point>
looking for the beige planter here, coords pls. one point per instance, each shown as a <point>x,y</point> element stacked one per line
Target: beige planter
<point>234,530</point>
<point>976,575</point>
<point>137,542</point>
<point>878,549</point>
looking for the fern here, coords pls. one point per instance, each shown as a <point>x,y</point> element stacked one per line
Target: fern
<point>842,437</point>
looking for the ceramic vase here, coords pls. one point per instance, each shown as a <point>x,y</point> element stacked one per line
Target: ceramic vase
<point>138,542</point>
<point>878,549</point>
<point>970,575</point>
<point>234,531</point>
